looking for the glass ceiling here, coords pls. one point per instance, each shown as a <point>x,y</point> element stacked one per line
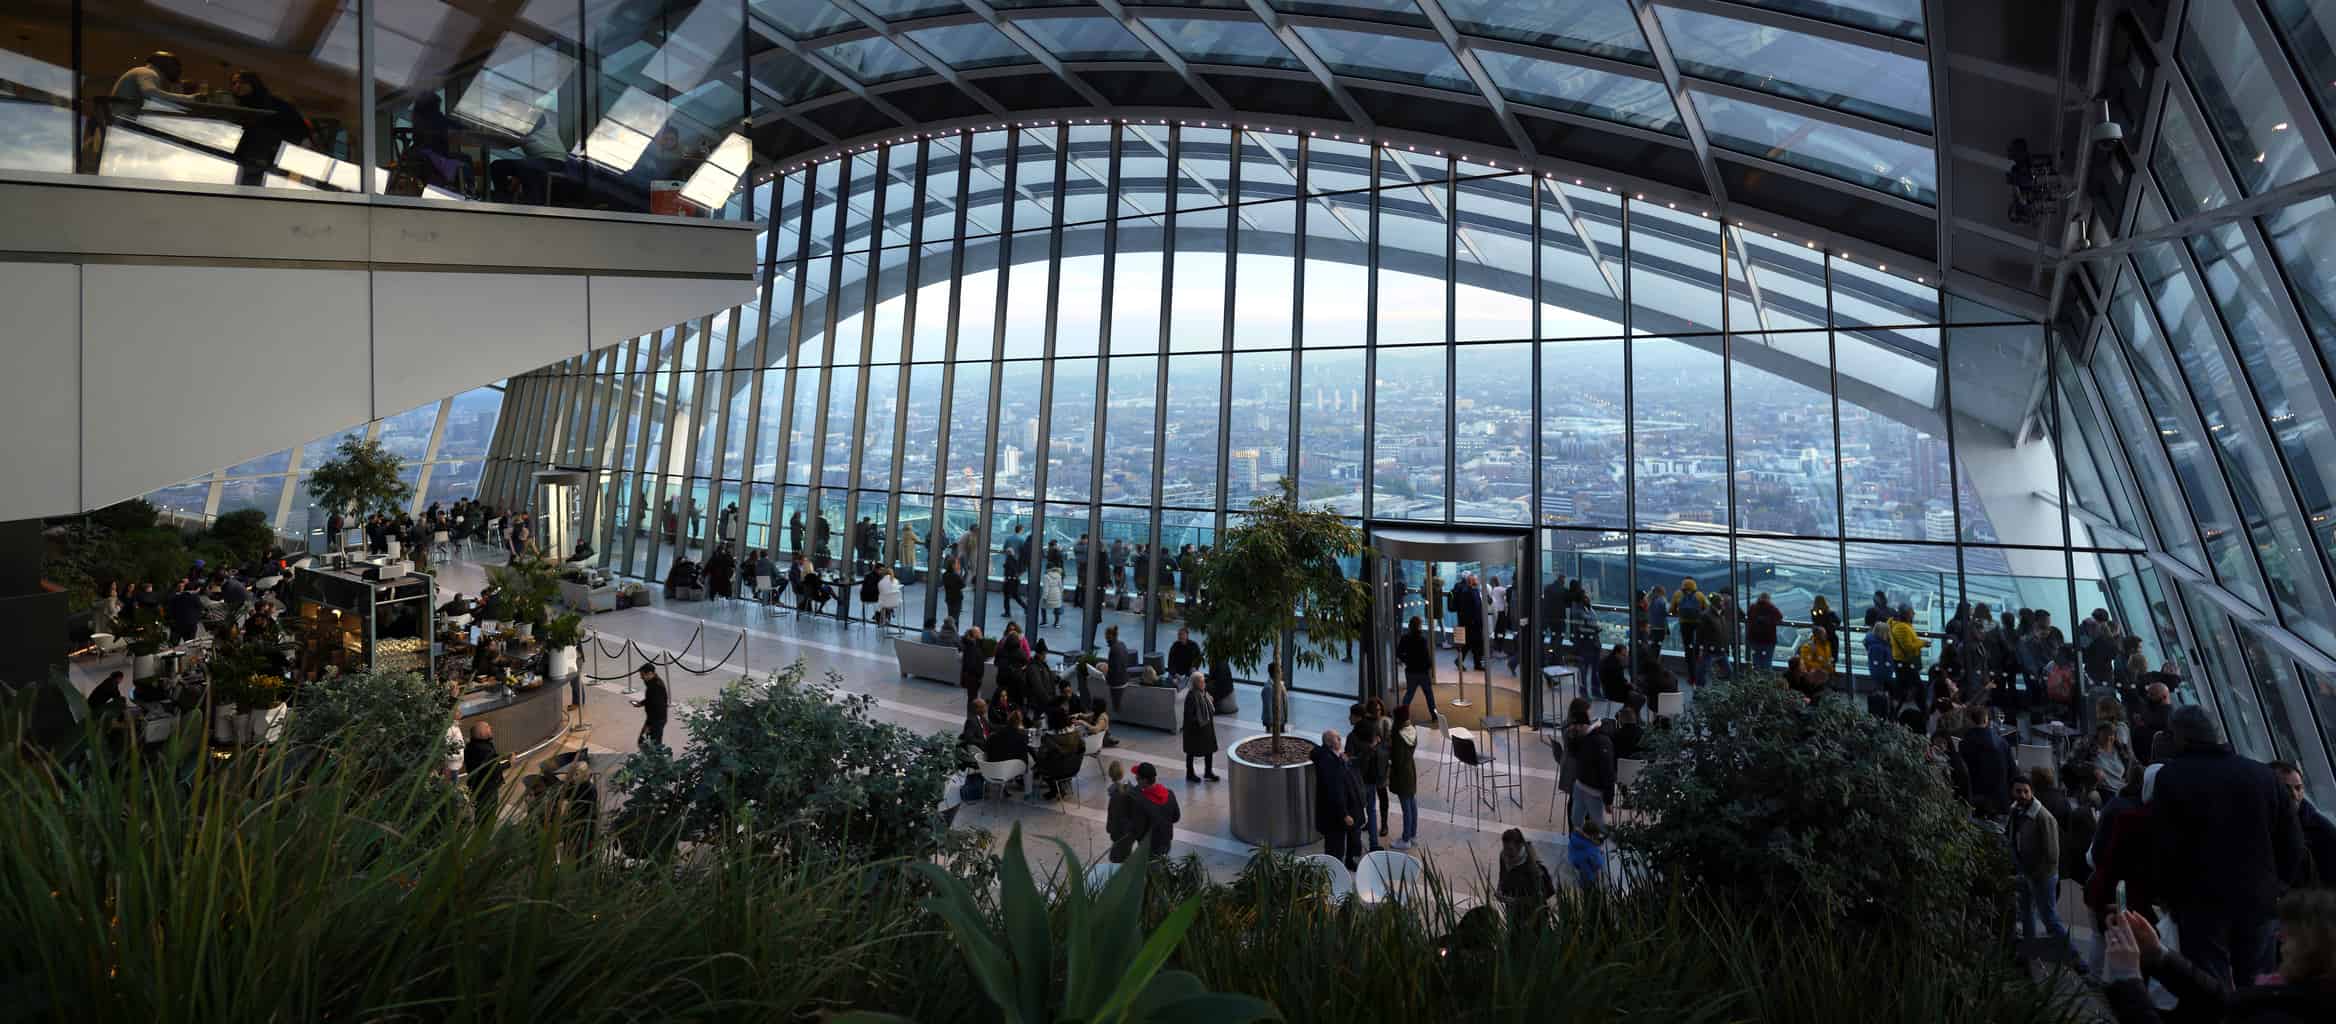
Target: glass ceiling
<point>1825,90</point>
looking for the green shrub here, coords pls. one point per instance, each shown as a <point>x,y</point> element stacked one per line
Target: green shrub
<point>382,725</point>
<point>789,762</point>
<point>134,514</point>
<point>245,534</point>
<point>1822,808</point>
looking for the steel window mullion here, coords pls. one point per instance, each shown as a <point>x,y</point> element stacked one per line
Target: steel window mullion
<point>1090,596</point>
<point>697,414</point>
<point>1370,332</point>
<point>908,327</point>
<point>1033,566</point>
<point>1728,402</point>
<point>941,432</point>
<point>1297,343</point>
<point>816,439</point>
<point>1630,615</point>
<point>985,500</point>
<point>1451,214</point>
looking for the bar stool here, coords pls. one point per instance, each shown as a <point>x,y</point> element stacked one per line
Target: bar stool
<point>1474,775</point>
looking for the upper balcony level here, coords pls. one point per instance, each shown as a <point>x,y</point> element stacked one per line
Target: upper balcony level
<point>632,108</point>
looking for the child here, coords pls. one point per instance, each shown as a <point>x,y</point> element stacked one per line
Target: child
<point>1586,851</point>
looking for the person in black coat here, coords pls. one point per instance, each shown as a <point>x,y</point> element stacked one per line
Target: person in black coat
<point>1200,733</point>
<point>1419,665</point>
<point>1338,800</point>
<point>653,702</point>
<point>970,664</point>
<point>482,765</point>
<point>1183,655</point>
<point>1468,610</point>
<point>2227,845</point>
<point>1011,743</point>
<point>953,590</point>
<point>185,613</point>
<point>1988,760</point>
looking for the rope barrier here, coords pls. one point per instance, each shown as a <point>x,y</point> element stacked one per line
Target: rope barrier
<point>673,659</point>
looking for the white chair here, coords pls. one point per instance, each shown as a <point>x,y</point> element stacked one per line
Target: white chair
<point>1099,875</point>
<point>1669,705</point>
<point>1002,774</point>
<point>1625,773</point>
<point>1342,884</point>
<point>1094,743</point>
<point>1387,875</point>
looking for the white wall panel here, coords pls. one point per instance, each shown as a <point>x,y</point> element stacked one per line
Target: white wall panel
<point>628,307</point>
<point>438,334</point>
<point>38,413</point>
<point>180,364</point>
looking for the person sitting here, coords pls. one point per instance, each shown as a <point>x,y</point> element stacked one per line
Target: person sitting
<point>1629,734</point>
<point>1614,674</point>
<point>1585,850</point>
<point>976,731</point>
<point>1011,743</point>
<point>1002,709</point>
<point>1097,719</point>
<point>1059,756</point>
<point>107,696</point>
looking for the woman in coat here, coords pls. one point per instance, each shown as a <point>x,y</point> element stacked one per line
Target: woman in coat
<point>1050,596</point>
<point>1200,733</point>
<point>1403,774</point>
<point>887,596</point>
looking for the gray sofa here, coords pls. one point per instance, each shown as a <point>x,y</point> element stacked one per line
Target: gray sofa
<point>1161,707</point>
<point>937,662</point>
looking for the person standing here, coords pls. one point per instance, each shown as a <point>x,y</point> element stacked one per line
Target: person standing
<point>653,702</point>
<point>2036,856</point>
<point>1011,585</point>
<point>1468,616</point>
<point>1123,821</point>
<point>2319,832</point>
<point>275,124</point>
<point>2228,844</point>
<point>970,664</point>
<point>1594,766</point>
<point>1338,798</point>
<point>1200,731</point>
<point>1050,597</point>
<point>1183,655</point>
<point>1369,759</point>
<point>1760,623</point>
<point>1158,810</point>
<point>1689,609</point>
<point>1403,774</point>
<point>1988,761</point>
<point>1118,661</point>
<point>953,590</point>
<point>1524,886</point>
<point>1419,666</point>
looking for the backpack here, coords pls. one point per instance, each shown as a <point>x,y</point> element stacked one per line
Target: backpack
<point>1688,608</point>
<point>972,788</point>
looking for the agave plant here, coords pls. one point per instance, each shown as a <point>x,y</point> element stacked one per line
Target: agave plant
<point>1112,973</point>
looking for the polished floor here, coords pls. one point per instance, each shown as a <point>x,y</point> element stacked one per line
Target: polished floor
<point>720,641</point>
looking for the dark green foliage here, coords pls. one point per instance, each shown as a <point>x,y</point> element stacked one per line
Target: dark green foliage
<point>361,478</point>
<point>1822,808</point>
<point>524,590</point>
<point>1274,574</point>
<point>245,535</point>
<point>122,516</point>
<point>384,725</point>
<point>790,763</point>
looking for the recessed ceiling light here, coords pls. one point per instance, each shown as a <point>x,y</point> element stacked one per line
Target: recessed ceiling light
<point>2280,127</point>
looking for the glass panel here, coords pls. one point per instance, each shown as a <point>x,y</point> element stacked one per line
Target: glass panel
<point>1581,262</point>
<point>1903,169</point>
<point>871,60</point>
<point>1494,253</point>
<point>2007,475</point>
<point>1127,468</point>
<point>2223,673</point>
<point>1258,445</point>
<point>1143,170</point>
<point>470,424</point>
<point>1409,440</point>
<point>1027,284</point>
<point>921,429</point>
<point>663,137</point>
<point>1265,299</point>
<point>1492,434</point>
<point>1338,280</point>
<point>1388,58</point>
<point>273,462</point>
<point>969,46</point>
<point>1919,578</point>
<point>875,445</point>
<point>1600,27</point>
<point>2239,93</point>
<point>2186,165</point>
<point>969,418</point>
<point>1786,476</point>
<point>1070,432</point>
<point>804,21</point>
<point>1223,41</point>
<point>1845,76</point>
<point>1793,576</point>
<point>1574,89</point>
<point>260,493</point>
<point>1334,165</point>
<point>2138,433</point>
<point>37,95</point>
<point>1197,321</point>
<point>1675,284</point>
<point>407,434</point>
<point>1896,17</point>
<point>2308,27</point>
<point>1189,435</point>
<point>1018,405</point>
<point>1085,37</point>
<point>802,429</point>
<point>1330,431</point>
<point>1413,300</point>
<point>1679,431</point>
<point>1583,433</point>
<point>1135,288</point>
<point>2302,237</point>
<point>930,337</point>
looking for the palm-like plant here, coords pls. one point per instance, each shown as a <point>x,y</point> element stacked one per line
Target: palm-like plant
<point>1275,578</point>
<point>1112,972</point>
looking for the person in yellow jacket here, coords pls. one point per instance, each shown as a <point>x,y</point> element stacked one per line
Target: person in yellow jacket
<point>1817,654</point>
<point>1906,650</point>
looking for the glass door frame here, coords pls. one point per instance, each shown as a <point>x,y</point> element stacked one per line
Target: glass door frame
<point>1386,542</point>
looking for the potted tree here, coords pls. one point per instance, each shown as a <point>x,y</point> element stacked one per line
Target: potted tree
<point>560,637</point>
<point>1278,596</point>
<point>361,478</point>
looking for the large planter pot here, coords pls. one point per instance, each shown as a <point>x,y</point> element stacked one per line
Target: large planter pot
<point>260,726</point>
<point>1273,805</point>
<point>524,630</point>
<point>145,666</point>
<point>563,662</point>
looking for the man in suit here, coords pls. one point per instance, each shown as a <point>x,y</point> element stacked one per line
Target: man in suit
<point>1338,800</point>
<point>185,613</point>
<point>1468,609</point>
